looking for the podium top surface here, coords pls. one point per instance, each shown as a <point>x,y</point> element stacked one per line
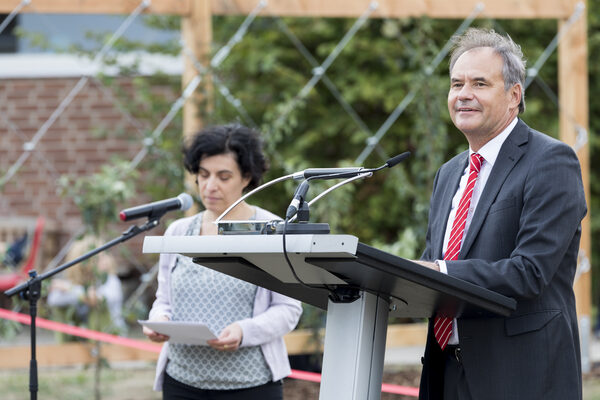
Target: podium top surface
<point>335,260</point>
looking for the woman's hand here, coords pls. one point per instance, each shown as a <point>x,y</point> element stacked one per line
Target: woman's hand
<point>229,339</point>
<point>155,336</point>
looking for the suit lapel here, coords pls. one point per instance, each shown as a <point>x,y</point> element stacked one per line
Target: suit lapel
<point>509,155</point>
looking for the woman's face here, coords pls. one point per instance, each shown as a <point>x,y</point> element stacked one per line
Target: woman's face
<point>220,182</point>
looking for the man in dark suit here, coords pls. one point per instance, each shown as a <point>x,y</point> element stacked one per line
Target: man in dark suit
<point>505,215</point>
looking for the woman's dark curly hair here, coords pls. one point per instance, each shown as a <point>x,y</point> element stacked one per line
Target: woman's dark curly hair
<point>244,143</point>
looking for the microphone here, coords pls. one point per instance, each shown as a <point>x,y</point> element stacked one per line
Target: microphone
<point>299,197</point>
<point>348,172</point>
<point>157,209</point>
<point>396,159</point>
<point>317,173</point>
<point>351,173</point>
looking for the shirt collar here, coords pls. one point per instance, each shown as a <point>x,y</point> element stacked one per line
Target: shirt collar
<point>491,149</point>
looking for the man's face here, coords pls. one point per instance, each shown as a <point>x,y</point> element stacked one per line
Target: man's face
<point>478,104</point>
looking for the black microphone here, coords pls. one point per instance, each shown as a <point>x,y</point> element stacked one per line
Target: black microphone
<point>338,173</point>
<point>299,197</point>
<point>157,209</point>
<point>397,159</point>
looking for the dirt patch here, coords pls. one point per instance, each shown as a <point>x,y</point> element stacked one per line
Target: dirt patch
<point>136,384</point>
<point>295,389</point>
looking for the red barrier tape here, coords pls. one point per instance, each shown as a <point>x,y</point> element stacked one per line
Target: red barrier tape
<point>81,332</point>
<point>148,346</point>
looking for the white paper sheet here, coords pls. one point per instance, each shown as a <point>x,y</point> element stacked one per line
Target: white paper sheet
<point>182,332</point>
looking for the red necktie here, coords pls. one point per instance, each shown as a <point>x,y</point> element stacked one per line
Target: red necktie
<point>442,327</point>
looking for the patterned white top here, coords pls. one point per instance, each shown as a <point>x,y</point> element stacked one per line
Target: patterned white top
<point>200,294</point>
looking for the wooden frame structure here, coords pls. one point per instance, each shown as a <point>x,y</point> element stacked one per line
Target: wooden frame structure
<point>572,57</point>
<point>298,342</point>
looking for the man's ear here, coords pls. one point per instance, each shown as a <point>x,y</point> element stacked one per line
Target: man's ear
<point>516,93</point>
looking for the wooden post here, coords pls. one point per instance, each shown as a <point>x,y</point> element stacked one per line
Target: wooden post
<point>196,30</point>
<point>574,130</point>
<point>311,8</point>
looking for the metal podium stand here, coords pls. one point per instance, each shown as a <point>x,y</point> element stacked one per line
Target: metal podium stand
<point>355,332</point>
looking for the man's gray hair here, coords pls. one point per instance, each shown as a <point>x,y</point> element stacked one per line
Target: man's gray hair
<point>513,69</point>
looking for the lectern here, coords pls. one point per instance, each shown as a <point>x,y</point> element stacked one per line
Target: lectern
<point>367,285</point>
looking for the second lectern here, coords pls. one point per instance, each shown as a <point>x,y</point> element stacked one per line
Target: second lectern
<point>358,285</point>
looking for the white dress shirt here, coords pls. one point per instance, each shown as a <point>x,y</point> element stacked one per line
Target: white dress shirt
<point>490,153</point>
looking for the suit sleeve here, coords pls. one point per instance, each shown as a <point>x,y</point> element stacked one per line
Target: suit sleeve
<point>547,229</point>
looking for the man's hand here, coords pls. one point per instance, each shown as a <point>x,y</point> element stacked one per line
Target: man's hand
<point>428,264</point>
<point>229,339</point>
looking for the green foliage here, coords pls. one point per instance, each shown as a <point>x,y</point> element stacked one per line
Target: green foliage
<point>96,317</point>
<point>373,74</point>
<point>99,196</point>
<point>381,65</point>
<point>148,101</point>
<point>9,329</point>
<point>37,40</point>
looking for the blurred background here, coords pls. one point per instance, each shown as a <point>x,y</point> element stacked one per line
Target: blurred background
<point>94,107</point>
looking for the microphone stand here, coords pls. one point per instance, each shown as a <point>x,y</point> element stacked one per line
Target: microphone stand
<point>302,215</point>
<point>332,188</point>
<point>31,290</point>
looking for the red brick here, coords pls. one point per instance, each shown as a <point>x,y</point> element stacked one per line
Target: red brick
<point>69,145</point>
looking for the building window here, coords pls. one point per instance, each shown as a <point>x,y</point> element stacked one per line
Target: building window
<point>8,40</point>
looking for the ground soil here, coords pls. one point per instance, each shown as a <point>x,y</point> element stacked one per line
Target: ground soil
<point>135,384</point>
<point>302,390</point>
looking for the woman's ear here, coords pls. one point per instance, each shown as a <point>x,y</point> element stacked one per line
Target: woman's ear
<point>246,181</point>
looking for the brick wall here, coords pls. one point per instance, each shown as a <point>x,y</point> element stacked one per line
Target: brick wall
<point>68,147</point>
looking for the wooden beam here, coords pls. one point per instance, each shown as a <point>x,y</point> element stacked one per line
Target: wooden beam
<point>540,9</point>
<point>302,341</point>
<point>196,31</point>
<point>81,353</point>
<point>169,7</point>
<point>65,354</point>
<point>574,112</point>
<point>399,8</point>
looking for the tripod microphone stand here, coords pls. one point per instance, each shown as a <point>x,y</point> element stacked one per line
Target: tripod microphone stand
<point>31,290</point>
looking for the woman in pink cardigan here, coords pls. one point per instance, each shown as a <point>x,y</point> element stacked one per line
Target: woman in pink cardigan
<point>248,360</point>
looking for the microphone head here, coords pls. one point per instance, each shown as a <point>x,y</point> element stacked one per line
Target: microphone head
<point>397,159</point>
<point>186,201</point>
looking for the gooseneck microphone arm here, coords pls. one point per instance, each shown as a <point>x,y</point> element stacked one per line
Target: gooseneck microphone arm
<point>339,173</point>
<point>332,188</point>
<point>350,173</point>
<point>318,173</point>
<point>250,193</point>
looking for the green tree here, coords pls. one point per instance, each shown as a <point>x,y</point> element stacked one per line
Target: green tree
<point>383,63</point>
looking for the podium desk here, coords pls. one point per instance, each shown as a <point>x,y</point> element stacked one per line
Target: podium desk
<point>372,285</point>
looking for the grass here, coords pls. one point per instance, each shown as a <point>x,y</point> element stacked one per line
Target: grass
<point>78,384</point>
<point>136,384</point>
<point>591,389</point>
